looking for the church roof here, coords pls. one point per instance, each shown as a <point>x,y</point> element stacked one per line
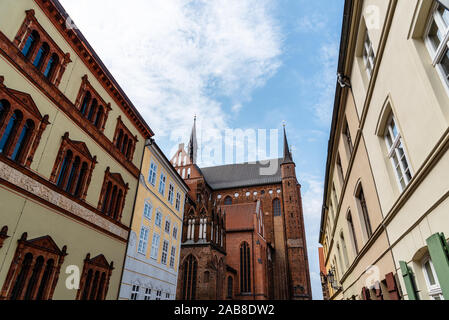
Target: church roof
<point>243,175</point>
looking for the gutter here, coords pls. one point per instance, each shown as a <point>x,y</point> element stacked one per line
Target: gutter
<point>344,43</point>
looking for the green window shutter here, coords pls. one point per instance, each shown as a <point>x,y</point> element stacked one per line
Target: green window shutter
<point>409,280</point>
<point>439,252</point>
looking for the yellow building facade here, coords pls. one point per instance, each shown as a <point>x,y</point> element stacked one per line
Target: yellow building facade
<point>71,148</point>
<point>152,261</point>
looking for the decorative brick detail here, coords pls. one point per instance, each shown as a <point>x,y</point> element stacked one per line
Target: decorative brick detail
<point>34,270</point>
<point>3,235</point>
<point>31,25</point>
<point>16,102</point>
<point>94,282</point>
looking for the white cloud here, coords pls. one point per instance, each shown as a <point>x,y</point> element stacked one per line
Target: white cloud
<point>313,196</point>
<point>176,58</point>
<point>311,23</point>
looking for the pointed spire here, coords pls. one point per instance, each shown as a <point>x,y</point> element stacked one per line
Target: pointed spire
<point>287,154</point>
<point>193,144</point>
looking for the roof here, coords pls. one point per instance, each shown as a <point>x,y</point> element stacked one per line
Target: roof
<point>240,216</point>
<point>243,174</point>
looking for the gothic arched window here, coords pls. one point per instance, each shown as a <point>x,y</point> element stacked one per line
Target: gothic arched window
<point>228,200</point>
<point>230,287</point>
<point>245,268</point>
<point>41,55</point>
<point>30,44</point>
<point>276,207</point>
<point>189,278</point>
<point>51,66</point>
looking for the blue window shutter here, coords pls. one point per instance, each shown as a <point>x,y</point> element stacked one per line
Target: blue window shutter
<point>439,252</point>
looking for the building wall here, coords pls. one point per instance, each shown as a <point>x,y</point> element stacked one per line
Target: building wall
<point>36,206</point>
<point>140,267</point>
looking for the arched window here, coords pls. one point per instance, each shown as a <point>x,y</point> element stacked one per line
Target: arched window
<point>128,150</point>
<point>80,182</point>
<point>206,276</point>
<point>360,195</point>
<point>65,163</point>
<point>41,55</point>
<point>119,139</point>
<point>99,117</point>
<point>245,268</point>
<point>230,287</point>
<point>92,110</point>
<point>433,285</point>
<point>20,280</point>
<point>228,200</point>
<point>85,103</point>
<point>30,44</point>
<point>45,279</point>
<point>347,136</point>
<point>117,204</point>
<point>352,232</point>
<point>189,278</point>
<point>276,207</point>
<point>4,107</point>
<point>345,250</point>
<point>51,66</point>
<point>34,277</point>
<point>188,173</point>
<point>94,282</point>
<point>10,130</point>
<point>124,144</point>
<point>73,172</point>
<point>113,195</point>
<point>24,137</point>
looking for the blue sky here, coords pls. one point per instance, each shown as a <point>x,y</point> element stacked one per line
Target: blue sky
<point>246,64</point>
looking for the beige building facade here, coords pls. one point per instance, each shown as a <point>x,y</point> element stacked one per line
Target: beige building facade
<point>392,101</point>
<point>71,148</point>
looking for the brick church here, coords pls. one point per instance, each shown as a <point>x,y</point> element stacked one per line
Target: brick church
<point>243,235</point>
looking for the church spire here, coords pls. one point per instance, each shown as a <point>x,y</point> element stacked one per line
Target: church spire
<point>287,154</point>
<point>193,144</point>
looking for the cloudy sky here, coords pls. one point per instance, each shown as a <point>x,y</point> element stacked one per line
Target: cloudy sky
<point>236,64</point>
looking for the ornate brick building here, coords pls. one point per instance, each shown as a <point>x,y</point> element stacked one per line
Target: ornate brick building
<point>243,234</point>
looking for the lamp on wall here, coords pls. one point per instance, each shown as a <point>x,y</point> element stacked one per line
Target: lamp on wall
<point>332,280</point>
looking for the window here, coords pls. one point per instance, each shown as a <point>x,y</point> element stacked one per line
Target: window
<point>228,200</point>
<point>178,201</point>
<point>368,55</point>
<point>152,174</point>
<point>171,193</point>
<point>347,135</point>
<point>49,70</point>
<point>345,250</point>
<point>158,220</point>
<point>158,294</point>
<point>437,40</point>
<point>143,241</point>
<point>203,228</point>
<point>113,194</point>
<point>162,181</point>
<point>164,252</point>
<point>245,268</point>
<point>432,282</point>
<point>175,232</point>
<point>230,287</point>
<point>340,169</point>
<point>276,207</point>
<point>21,126</point>
<point>364,212</point>
<point>73,167</point>
<point>147,295</point>
<point>352,232</point>
<point>41,55</point>
<point>135,292</point>
<point>124,140</point>
<point>32,274</point>
<point>167,225</point>
<point>172,257</point>
<point>30,44</point>
<point>155,246</point>
<point>167,296</point>
<point>147,210</point>
<point>397,155</point>
<point>191,229</point>
<point>94,281</point>
<point>189,274</point>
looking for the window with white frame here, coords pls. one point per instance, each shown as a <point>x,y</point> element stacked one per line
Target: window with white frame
<point>164,252</point>
<point>147,210</point>
<point>178,201</point>
<point>171,193</point>
<point>143,241</point>
<point>167,225</point>
<point>162,181</point>
<point>397,154</point>
<point>191,229</point>
<point>158,295</point>
<point>203,229</point>
<point>175,232</point>
<point>135,292</point>
<point>432,282</point>
<point>369,56</point>
<point>158,219</point>
<point>152,174</point>
<point>437,40</point>
<point>172,257</point>
<point>155,246</point>
<point>147,295</point>
<point>167,296</point>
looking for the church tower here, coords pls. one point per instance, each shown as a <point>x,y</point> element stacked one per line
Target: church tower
<point>298,270</point>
